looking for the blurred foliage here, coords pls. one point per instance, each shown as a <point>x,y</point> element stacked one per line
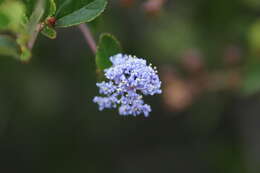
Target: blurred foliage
<point>207,119</point>
<point>254,37</point>
<point>9,19</point>
<point>34,16</point>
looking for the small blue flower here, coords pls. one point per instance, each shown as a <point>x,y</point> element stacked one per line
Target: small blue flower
<point>129,78</point>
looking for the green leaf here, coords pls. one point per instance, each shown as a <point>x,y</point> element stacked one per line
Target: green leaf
<point>49,32</point>
<point>85,14</point>
<point>8,46</point>
<point>52,9</point>
<point>65,7</point>
<point>107,47</point>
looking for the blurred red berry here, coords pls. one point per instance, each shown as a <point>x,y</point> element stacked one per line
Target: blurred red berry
<point>51,21</point>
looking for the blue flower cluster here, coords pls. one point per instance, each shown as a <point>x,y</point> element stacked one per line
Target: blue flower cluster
<point>128,79</point>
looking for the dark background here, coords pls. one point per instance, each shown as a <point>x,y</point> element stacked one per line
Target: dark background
<point>206,120</point>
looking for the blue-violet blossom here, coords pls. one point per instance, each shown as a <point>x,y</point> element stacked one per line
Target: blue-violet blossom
<point>128,79</point>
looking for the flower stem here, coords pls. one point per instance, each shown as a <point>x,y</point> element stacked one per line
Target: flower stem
<point>34,36</point>
<point>88,37</point>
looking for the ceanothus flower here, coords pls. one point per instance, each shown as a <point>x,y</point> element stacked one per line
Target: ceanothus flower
<point>129,78</point>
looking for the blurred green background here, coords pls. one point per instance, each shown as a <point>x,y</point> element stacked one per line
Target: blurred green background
<point>206,120</point>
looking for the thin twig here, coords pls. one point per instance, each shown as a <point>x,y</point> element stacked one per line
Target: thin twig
<point>34,36</point>
<point>88,37</point>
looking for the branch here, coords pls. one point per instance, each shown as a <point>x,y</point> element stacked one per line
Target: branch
<point>88,37</point>
<point>34,36</point>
